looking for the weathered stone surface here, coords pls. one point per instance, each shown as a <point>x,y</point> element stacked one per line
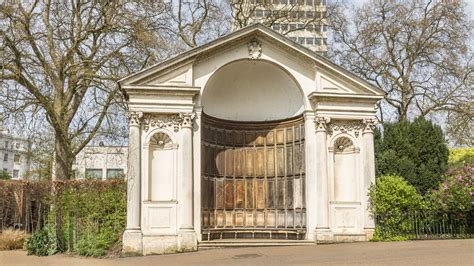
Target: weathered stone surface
<point>167,103</point>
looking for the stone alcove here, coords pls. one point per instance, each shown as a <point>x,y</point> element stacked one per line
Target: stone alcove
<point>252,76</point>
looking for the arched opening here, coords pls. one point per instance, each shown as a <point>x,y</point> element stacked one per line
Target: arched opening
<point>253,173</point>
<point>252,91</point>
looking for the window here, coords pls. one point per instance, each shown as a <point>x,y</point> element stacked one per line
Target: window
<point>15,174</point>
<point>115,173</point>
<point>16,158</point>
<point>5,157</point>
<point>325,28</point>
<point>317,41</point>
<point>293,39</point>
<point>292,26</point>
<point>259,13</point>
<point>310,41</point>
<point>309,2</point>
<point>301,40</point>
<point>284,27</point>
<point>6,144</point>
<point>325,41</point>
<point>309,14</point>
<point>276,26</point>
<point>93,173</point>
<point>18,145</point>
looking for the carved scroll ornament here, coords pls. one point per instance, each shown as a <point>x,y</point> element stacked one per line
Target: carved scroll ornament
<point>174,121</point>
<point>346,126</point>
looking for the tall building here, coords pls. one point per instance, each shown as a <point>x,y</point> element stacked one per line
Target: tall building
<point>14,157</point>
<point>303,21</point>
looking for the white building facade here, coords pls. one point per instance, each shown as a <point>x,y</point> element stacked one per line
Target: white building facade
<point>14,157</point>
<point>101,162</point>
<point>250,136</point>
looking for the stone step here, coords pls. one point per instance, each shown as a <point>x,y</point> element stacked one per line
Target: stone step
<point>253,243</point>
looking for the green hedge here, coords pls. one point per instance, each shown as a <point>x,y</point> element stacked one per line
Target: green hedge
<point>91,214</point>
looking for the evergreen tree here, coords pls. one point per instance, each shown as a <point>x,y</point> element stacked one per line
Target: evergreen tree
<point>415,150</point>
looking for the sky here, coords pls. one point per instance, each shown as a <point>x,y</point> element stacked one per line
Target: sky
<point>470,8</point>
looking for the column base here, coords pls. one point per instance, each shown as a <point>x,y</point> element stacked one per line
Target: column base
<point>185,241</point>
<point>369,233</point>
<point>324,235</point>
<point>132,242</point>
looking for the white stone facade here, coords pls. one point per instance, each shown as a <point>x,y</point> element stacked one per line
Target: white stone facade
<point>101,162</point>
<point>251,75</point>
<point>14,157</point>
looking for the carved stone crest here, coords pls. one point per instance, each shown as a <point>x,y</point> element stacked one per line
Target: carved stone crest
<point>255,49</point>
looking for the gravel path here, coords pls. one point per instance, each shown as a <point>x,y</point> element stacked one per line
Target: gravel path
<point>433,252</point>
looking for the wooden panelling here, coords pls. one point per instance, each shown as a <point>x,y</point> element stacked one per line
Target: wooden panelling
<point>252,175</point>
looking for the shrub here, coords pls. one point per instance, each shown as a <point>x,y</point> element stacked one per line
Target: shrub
<point>11,239</point>
<point>391,200</point>
<point>460,157</point>
<point>4,175</point>
<point>94,245</point>
<point>93,214</point>
<point>456,193</point>
<point>415,150</point>
<point>42,242</point>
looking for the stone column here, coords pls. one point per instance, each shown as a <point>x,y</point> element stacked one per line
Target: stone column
<point>311,168</point>
<point>187,236</point>
<point>132,237</point>
<point>369,172</point>
<point>322,193</point>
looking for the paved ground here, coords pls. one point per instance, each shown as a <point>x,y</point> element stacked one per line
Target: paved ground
<point>437,252</point>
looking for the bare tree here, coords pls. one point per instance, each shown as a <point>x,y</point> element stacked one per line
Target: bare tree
<point>61,60</point>
<point>418,51</point>
<point>197,22</point>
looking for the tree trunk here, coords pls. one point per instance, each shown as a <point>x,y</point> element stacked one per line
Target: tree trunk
<point>63,160</point>
<point>62,170</point>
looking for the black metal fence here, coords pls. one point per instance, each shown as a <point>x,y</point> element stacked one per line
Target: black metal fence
<point>424,225</point>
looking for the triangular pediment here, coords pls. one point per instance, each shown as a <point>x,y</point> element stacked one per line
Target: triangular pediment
<point>178,71</point>
<point>181,76</point>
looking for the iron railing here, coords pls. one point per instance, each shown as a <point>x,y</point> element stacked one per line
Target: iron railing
<point>425,225</point>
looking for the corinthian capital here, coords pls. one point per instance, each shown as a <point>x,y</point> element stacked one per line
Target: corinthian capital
<point>369,124</point>
<point>321,123</point>
<point>134,118</point>
<point>187,119</point>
